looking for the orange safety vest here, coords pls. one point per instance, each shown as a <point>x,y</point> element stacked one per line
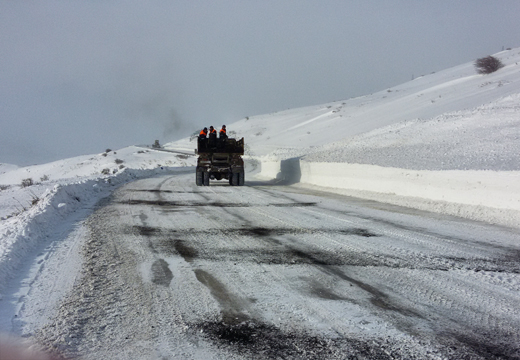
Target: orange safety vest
<point>213,131</point>
<point>222,131</point>
<point>203,133</point>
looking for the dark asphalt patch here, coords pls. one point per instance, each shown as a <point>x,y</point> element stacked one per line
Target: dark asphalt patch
<point>150,190</point>
<point>359,232</point>
<point>210,204</point>
<point>185,250</point>
<point>161,273</point>
<point>147,230</point>
<point>295,204</point>
<point>233,309</point>
<point>278,251</point>
<point>322,292</point>
<point>378,298</point>
<point>253,340</point>
<point>153,202</point>
<point>264,232</point>
<point>278,255</point>
<point>253,231</point>
<point>164,191</point>
<point>486,346</point>
<point>257,231</point>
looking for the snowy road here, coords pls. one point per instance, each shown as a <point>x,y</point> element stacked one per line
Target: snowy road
<point>172,270</point>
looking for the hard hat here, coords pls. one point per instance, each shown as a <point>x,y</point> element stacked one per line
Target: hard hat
<point>224,126</point>
<point>206,129</point>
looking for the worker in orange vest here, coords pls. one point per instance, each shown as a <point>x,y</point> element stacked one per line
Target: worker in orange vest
<point>202,141</point>
<point>203,133</point>
<point>212,137</point>
<point>222,133</point>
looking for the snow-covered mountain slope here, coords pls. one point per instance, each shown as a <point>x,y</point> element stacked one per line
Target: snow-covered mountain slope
<point>397,145</point>
<point>445,94</point>
<point>483,138</point>
<point>7,167</point>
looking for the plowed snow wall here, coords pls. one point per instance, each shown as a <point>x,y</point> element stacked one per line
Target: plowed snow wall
<point>492,196</point>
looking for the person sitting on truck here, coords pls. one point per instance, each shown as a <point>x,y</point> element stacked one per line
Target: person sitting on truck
<point>212,136</point>
<point>202,142</point>
<point>222,134</point>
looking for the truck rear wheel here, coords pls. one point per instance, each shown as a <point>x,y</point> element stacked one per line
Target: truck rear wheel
<point>233,179</point>
<point>198,178</point>
<point>205,180</point>
<point>241,178</point>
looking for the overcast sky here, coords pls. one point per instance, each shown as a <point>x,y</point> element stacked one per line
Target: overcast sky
<point>80,76</point>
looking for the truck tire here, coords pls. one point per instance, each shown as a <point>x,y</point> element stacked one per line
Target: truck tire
<point>198,177</point>
<point>241,178</point>
<point>234,179</point>
<point>205,180</point>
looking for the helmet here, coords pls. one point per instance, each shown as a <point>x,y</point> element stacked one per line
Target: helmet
<point>223,126</point>
<point>211,127</point>
<point>206,128</point>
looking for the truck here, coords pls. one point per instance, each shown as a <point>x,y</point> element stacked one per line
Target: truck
<point>220,159</point>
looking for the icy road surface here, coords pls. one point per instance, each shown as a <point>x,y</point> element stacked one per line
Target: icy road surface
<point>172,270</point>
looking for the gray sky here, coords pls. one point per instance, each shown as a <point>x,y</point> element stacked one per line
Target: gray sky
<point>80,76</point>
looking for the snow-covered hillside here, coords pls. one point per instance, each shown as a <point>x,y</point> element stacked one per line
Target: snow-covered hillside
<point>483,138</point>
<point>396,145</point>
<point>445,94</point>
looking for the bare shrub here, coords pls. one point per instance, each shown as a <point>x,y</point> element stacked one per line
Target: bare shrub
<point>108,150</point>
<point>105,171</point>
<point>35,199</point>
<point>118,161</point>
<point>488,65</point>
<point>44,178</point>
<point>27,182</point>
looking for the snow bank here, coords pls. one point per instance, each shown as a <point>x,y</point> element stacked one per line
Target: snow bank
<point>481,138</point>
<point>491,196</point>
<point>21,234</point>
